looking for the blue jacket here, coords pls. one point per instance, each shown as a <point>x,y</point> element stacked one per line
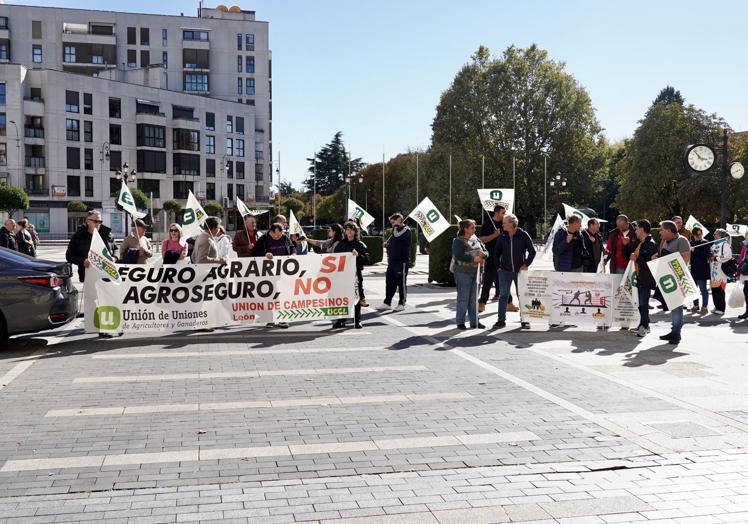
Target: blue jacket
<point>511,252</point>
<point>563,252</point>
<point>398,248</point>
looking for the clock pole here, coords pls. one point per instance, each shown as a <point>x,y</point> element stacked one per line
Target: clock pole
<point>723,188</point>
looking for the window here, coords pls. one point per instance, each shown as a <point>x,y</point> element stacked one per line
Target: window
<point>210,121</point>
<point>210,167</point>
<point>36,54</point>
<point>229,124</point>
<point>183,112</point>
<point>89,186</point>
<point>182,189</point>
<point>36,29</point>
<point>239,190</point>
<point>74,160</point>
<point>115,161</point>
<point>164,59</point>
<point>230,191</point>
<point>3,154</point>
<point>210,190</point>
<point>194,35</point>
<point>147,108</point>
<point>239,64</point>
<point>3,123</point>
<point>240,170</point>
<point>239,125</point>
<point>186,164</point>
<point>145,58</point>
<point>196,82</point>
<point>3,22</point>
<point>72,129</point>
<point>229,147</point>
<point>239,87</point>
<point>239,147</point>
<point>250,63</point>
<point>186,139</point>
<point>87,131</point>
<point>36,94</point>
<point>151,161</point>
<point>164,35</point>
<point>115,108</point>
<point>132,57</point>
<point>74,186</point>
<point>2,93</point>
<point>115,134</point>
<point>196,58</point>
<point>259,151</point>
<point>4,54</point>
<point>88,160</point>
<point>72,99</point>
<point>145,36</point>
<point>87,104</point>
<point>250,42</point>
<point>97,59</point>
<point>258,172</point>
<point>210,145</point>
<point>229,169</point>
<point>150,187</point>
<point>97,29</point>
<point>69,54</point>
<point>131,36</point>
<point>151,136</point>
<point>250,86</point>
<point>115,186</point>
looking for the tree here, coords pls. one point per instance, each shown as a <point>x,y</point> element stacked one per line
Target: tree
<point>292,204</point>
<point>12,199</point>
<point>214,209</point>
<point>172,208</point>
<point>141,199</point>
<point>286,189</point>
<point>332,208</point>
<point>76,206</point>
<point>669,95</point>
<point>519,108</point>
<point>332,166</point>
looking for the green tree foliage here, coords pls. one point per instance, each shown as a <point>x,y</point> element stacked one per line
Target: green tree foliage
<point>332,166</point>
<point>141,199</point>
<point>172,208</point>
<point>332,208</point>
<point>213,209</point>
<point>12,199</point>
<point>76,206</point>
<point>286,188</point>
<point>293,204</point>
<point>669,95</point>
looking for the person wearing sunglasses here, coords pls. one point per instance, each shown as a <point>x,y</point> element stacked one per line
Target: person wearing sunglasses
<point>174,248</point>
<point>80,243</point>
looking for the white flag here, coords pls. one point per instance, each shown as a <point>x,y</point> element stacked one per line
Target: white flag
<point>102,259</point>
<point>242,207</point>
<point>294,228</point>
<point>692,222</point>
<point>547,252</point>
<point>128,202</point>
<point>629,283</point>
<point>432,222</point>
<point>572,211</point>
<point>737,230</point>
<point>490,198</point>
<point>194,217</point>
<point>674,280</point>
<point>357,212</point>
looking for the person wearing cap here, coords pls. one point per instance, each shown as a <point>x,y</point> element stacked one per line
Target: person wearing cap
<point>136,248</point>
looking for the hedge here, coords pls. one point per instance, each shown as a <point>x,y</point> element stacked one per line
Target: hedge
<point>440,255</point>
<point>413,243</point>
<point>376,251</point>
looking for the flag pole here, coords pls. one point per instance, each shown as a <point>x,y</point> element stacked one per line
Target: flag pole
<point>450,186</point>
<point>314,191</point>
<point>416,178</point>
<point>384,226</point>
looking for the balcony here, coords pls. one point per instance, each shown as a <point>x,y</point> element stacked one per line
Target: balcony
<point>37,191</point>
<point>70,37</point>
<point>33,132</point>
<point>33,107</point>
<point>35,162</point>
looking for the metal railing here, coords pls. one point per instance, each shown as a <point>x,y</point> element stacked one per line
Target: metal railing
<point>35,161</point>
<point>37,190</point>
<point>33,132</point>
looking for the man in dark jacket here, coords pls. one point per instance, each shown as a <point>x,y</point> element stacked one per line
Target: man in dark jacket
<point>619,249</point>
<point>8,235</point>
<point>80,243</point>
<point>567,247</point>
<point>398,260</point>
<point>514,252</point>
<point>489,232</point>
<point>644,249</point>
<point>592,246</point>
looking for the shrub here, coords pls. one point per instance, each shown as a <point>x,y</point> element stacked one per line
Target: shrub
<point>76,206</point>
<point>413,243</point>
<point>440,255</point>
<point>12,199</point>
<point>376,250</point>
<point>213,209</point>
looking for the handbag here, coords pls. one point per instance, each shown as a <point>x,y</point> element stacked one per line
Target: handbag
<point>730,267</point>
<point>743,268</point>
<point>171,257</point>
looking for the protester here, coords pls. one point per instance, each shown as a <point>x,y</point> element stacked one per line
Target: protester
<point>281,219</point>
<point>514,252</point>
<point>174,248</point>
<point>206,249</point>
<point>467,256</point>
<point>398,260</point>
<point>489,232</point>
<point>618,249</point>
<point>246,238</point>
<point>721,253</point>
<point>334,235</point>
<point>672,242</point>
<point>567,247</point>
<point>300,246</point>
<point>351,243</point>
<point>743,273</point>
<point>644,250</point>
<point>682,229</point>
<point>8,235</point>
<point>24,240</point>
<point>700,271</point>
<point>136,248</point>
<point>592,246</point>
<point>223,244</point>
<point>274,243</point>
<point>34,235</point>
<point>80,243</point>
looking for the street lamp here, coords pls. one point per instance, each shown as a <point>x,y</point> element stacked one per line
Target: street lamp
<point>558,181</point>
<point>18,152</point>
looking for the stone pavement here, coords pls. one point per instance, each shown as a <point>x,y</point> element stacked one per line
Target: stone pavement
<point>407,420</point>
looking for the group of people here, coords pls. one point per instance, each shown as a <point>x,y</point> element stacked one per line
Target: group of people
<point>503,249</point>
<point>19,236</point>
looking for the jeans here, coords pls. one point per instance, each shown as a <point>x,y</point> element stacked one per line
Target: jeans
<point>677,318</point>
<point>505,287</point>
<point>395,280</point>
<point>466,292</point>
<point>644,294</point>
<point>619,271</point>
<point>704,294</point>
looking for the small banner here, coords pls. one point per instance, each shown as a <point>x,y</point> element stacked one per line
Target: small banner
<point>128,202</point>
<point>431,221</point>
<point>629,283</point>
<point>692,222</point>
<point>102,260</point>
<point>242,207</point>
<point>490,198</point>
<point>194,217</point>
<point>737,230</point>
<point>357,212</point>
<point>294,228</point>
<point>674,280</point>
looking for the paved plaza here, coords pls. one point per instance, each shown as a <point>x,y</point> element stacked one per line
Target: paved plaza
<point>405,421</point>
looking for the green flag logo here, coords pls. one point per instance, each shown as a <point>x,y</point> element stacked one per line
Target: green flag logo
<point>496,195</point>
<point>107,318</point>
<point>358,213</point>
<point>668,284</point>
<point>189,216</point>
<point>126,198</point>
<point>432,215</point>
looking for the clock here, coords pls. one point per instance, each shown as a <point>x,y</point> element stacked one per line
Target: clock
<point>699,157</point>
<point>737,170</point>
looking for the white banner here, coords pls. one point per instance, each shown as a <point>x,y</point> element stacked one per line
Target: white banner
<point>674,280</point>
<point>737,230</point>
<point>572,211</point>
<point>431,221</point>
<point>194,217</point>
<point>490,198</point>
<point>243,292</point>
<point>357,212</point>
<point>294,228</point>
<point>101,259</point>
<point>128,202</point>
<point>629,283</point>
<point>692,222</point>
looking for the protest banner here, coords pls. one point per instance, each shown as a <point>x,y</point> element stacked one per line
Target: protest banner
<point>629,283</point>
<point>242,292</point>
<point>692,223</point>
<point>736,230</point>
<point>625,311</point>
<point>194,217</point>
<point>431,221</point>
<point>294,228</point>
<point>490,198</point>
<point>674,280</point>
<point>534,295</point>
<point>101,259</point>
<point>128,202</point>
<point>356,212</point>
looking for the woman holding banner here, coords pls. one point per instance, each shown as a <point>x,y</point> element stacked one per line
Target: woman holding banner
<point>721,253</point>
<point>467,256</point>
<point>351,243</point>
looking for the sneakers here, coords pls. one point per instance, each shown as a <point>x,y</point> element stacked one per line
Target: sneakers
<point>499,325</point>
<point>358,325</point>
<point>717,312</point>
<point>363,303</point>
<point>384,307</point>
<point>525,325</point>
<point>642,331</point>
<point>399,307</point>
<point>481,307</point>
<point>282,325</point>
<point>511,308</point>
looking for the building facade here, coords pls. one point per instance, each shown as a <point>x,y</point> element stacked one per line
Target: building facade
<point>184,101</point>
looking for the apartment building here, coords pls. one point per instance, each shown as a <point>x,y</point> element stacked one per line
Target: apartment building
<point>186,102</point>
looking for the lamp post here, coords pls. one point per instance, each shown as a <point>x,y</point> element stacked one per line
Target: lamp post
<point>18,153</point>
<point>127,175</point>
<point>558,181</point>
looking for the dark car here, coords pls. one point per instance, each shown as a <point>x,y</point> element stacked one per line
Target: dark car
<point>35,295</point>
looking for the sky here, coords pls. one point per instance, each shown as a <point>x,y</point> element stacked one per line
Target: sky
<point>375,69</point>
